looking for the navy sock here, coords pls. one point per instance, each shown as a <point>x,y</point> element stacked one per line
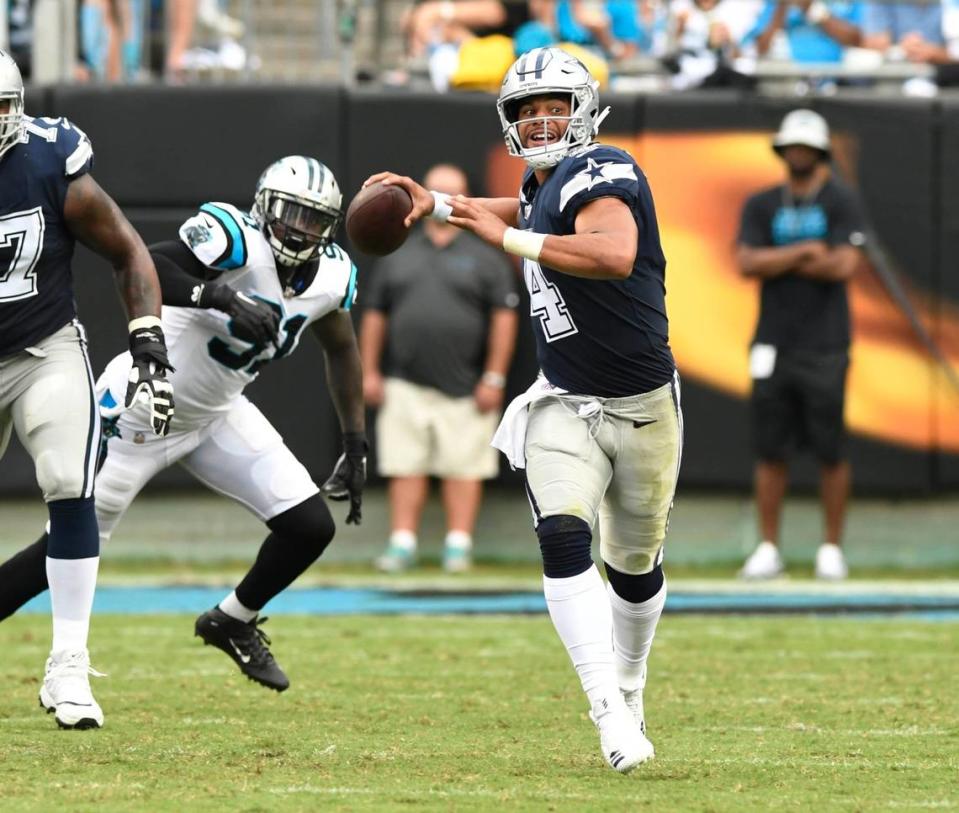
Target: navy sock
<point>74,533</point>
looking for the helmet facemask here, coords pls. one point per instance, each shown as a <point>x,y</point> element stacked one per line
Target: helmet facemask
<point>296,228</point>
<point>11,92</point>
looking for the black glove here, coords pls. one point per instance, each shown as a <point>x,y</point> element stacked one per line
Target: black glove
<point>254,321</point>
<point>349,475</point>
<point>148,374</point>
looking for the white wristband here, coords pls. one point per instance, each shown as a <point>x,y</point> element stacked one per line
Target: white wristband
<point>818,12</point>
<point>441,207</point>
<point>527,244</point>
<point>493,379</point>
<point>144,321</point>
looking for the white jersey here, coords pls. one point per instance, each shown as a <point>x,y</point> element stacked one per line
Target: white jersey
<point>212,366</point>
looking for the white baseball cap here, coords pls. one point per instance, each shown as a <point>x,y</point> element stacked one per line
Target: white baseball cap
<point>805,127</point>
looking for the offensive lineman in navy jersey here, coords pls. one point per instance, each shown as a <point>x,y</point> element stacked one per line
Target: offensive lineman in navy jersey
<point>600,432</point>
<point>48,200</point>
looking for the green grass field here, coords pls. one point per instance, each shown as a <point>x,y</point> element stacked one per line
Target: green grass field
<point>484,713</point>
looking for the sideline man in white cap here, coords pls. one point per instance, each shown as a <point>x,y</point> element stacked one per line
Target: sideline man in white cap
<point>802,241</point>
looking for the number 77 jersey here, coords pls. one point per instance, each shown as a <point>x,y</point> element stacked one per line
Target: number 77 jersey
<point>36,246</point>
<point>597,337</point>
<point>212,364</point>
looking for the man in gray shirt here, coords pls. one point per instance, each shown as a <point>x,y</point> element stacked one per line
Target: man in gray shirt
<point>436,341</point>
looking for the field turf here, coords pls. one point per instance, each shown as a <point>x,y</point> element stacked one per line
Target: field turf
<point>484,713</point>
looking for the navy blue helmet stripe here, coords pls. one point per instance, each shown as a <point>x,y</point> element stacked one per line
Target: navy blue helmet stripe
<point>540,64</point>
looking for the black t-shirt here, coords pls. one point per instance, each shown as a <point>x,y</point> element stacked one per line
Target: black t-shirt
<point>438,302</point>
<point>796,312</point>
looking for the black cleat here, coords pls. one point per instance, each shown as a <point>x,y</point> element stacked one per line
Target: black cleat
<point>246,643</point>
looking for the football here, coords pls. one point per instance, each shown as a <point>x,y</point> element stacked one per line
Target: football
<point>374,221</point>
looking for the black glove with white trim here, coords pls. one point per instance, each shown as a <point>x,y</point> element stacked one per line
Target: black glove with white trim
<point>254,320</point>
<point>349,475</point>
<point>147,382</point>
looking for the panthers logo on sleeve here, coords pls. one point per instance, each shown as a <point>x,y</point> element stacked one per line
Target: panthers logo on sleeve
<point>218,235</point>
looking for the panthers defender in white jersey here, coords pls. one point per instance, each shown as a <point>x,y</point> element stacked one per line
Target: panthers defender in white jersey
<point>238,290</point>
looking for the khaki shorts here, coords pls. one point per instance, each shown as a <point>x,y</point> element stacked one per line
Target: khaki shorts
<point>46,394</point>
<point>421,431</point>
<point>615,459</point>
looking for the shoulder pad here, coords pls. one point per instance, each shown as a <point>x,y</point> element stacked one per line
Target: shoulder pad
<point>70,144</point>
<point>218,235</point>
<point>599,171</point>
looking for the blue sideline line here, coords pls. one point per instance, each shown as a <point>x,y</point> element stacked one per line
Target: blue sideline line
<point>136,600</point>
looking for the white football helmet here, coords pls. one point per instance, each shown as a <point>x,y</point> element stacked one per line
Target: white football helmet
<point>550,71</point>
<point>11,89</point>
<point>298,204</point>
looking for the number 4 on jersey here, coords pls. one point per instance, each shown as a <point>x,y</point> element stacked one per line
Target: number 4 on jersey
<point>547,303</point>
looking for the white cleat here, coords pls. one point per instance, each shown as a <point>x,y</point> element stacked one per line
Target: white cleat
<point>66,690</point>
<point>623,745</point>
<point>634,702</point>
<point>764,563</point>
<point>830,563</point>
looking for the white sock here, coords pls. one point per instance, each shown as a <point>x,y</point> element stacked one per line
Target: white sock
<point>404,540</point>
<point>72,585</point>
<point>232,607</point>
<point>634,626</point>
<point>460,540</point>
<point>579,608</point>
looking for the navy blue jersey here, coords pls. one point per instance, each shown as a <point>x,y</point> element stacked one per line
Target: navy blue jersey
<point>598,337</point>
<point>36,282</point>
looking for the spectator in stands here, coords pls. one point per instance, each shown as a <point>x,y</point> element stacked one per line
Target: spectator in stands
<point>913,31</point>
<point>443,308</point>
<point>802,241</point>
<point>810,31</point>
<point>20,34</point>
<point>713,26</point>
<point>431,23</point>
<point>708,36</point>
<point>608,26</point>
<point>180,22</point>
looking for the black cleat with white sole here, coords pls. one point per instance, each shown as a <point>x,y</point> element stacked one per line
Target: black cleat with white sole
<point>246,643</point>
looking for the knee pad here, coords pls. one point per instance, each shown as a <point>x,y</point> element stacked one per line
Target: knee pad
<point>308,525</point>
<point>58,480</point>
<point>635,589</point>
<point>565,543</point>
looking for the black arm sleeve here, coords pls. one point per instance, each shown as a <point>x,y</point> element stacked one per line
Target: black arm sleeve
<point>183,277</point>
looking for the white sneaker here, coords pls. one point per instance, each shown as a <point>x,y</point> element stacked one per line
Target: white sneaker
<point>457,560</point>
<point>66,690</point>
<point>764,563</point>
<point>830,563</point>
<point>623,745</point>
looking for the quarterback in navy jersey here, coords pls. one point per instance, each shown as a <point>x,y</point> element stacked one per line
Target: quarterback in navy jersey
<point>600,431</point>
<point>48,200</point>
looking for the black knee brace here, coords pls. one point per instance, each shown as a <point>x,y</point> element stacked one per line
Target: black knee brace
<point>565,543</point>
<point>308,525</point>
<point>635,589</point>
<point>298,538</point>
